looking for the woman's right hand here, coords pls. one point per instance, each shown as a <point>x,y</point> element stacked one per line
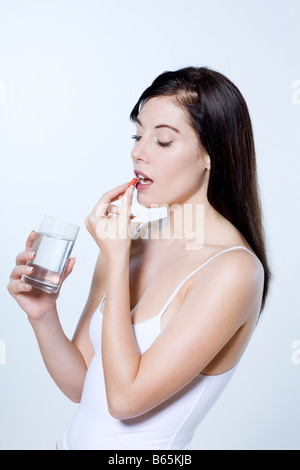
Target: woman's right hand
<point>35,302</point>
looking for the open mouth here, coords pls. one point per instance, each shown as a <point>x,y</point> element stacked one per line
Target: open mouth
<point>143,180</point>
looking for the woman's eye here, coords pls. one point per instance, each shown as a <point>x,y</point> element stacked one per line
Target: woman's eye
<point>137,138</point>
<point>164,144</point>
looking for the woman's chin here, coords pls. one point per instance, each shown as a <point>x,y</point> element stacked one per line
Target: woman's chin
<point>148,203</point>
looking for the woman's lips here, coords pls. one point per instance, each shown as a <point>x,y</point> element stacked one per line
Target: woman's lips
<point>141,186</point>
<point>143,180</point>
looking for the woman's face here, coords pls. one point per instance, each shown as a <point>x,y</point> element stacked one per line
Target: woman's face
<point>168,152</point>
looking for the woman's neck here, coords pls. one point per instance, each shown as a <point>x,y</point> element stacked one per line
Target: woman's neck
<point>191,223</point>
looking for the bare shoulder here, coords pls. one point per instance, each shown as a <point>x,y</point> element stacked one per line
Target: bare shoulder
<point>239,265</point>
<point>234,282</point>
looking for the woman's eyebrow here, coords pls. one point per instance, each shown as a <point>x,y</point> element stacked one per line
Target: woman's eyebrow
<point>169,127</point>
<point>159,126</point>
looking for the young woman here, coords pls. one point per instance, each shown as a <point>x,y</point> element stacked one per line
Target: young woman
<point>166,322</point>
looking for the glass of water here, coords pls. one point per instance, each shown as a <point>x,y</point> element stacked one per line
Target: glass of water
<point>53,245</point>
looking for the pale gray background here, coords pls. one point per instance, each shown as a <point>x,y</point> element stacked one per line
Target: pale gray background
<point>70,72</point>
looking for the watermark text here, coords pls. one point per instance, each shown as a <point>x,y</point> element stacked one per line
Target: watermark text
<point>2,353</point>
<point>2,92</point>
<point>296,94</point>
<point>183,222</point>
<point>296,354</point>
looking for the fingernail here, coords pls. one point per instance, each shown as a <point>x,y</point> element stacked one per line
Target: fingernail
<point>32,254</point>
<point>130,190</point>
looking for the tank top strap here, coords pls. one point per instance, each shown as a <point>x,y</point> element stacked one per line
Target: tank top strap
<point>195,271</point>
<point>102,300</point>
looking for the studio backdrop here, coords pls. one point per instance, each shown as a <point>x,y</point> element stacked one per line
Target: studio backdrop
<point>70,73</point>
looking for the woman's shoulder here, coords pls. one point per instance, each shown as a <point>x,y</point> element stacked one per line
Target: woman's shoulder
<point>236,275</point>
<point>239,261</point>
<point>232,257</point>
<point>237,256</point>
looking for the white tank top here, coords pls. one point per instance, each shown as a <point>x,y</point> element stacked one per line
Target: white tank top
<point>170,425</point>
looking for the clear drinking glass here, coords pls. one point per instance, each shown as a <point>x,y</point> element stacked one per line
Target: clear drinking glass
<point>53,245</point>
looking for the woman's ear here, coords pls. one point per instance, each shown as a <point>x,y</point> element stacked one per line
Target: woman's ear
<point>207,160</point>
<point>205,157</point>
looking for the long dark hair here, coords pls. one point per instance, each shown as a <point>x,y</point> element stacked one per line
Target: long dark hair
<point>219,115</point>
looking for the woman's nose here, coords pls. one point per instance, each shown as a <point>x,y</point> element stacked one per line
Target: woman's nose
<point>139,152</point>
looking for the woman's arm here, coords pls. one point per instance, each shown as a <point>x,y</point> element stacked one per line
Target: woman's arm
<point>121,357</point>
<point>65,360</point>
<point>81,337</point>
<point>208,318</point>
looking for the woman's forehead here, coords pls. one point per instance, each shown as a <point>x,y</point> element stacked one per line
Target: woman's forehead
<point>161,110</point>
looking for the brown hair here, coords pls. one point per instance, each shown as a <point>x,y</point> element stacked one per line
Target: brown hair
<point>219,115</point>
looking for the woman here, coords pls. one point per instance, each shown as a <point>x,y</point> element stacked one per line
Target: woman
<point>174,318</point>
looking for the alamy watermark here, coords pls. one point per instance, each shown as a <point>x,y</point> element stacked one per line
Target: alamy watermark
<point>2,92</point>
<point>184,221</point>
<point>296,354</point>
<point>296,94</point>
<point>2,353</point>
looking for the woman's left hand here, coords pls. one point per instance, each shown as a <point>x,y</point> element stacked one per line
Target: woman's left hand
<point>109,224</point>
